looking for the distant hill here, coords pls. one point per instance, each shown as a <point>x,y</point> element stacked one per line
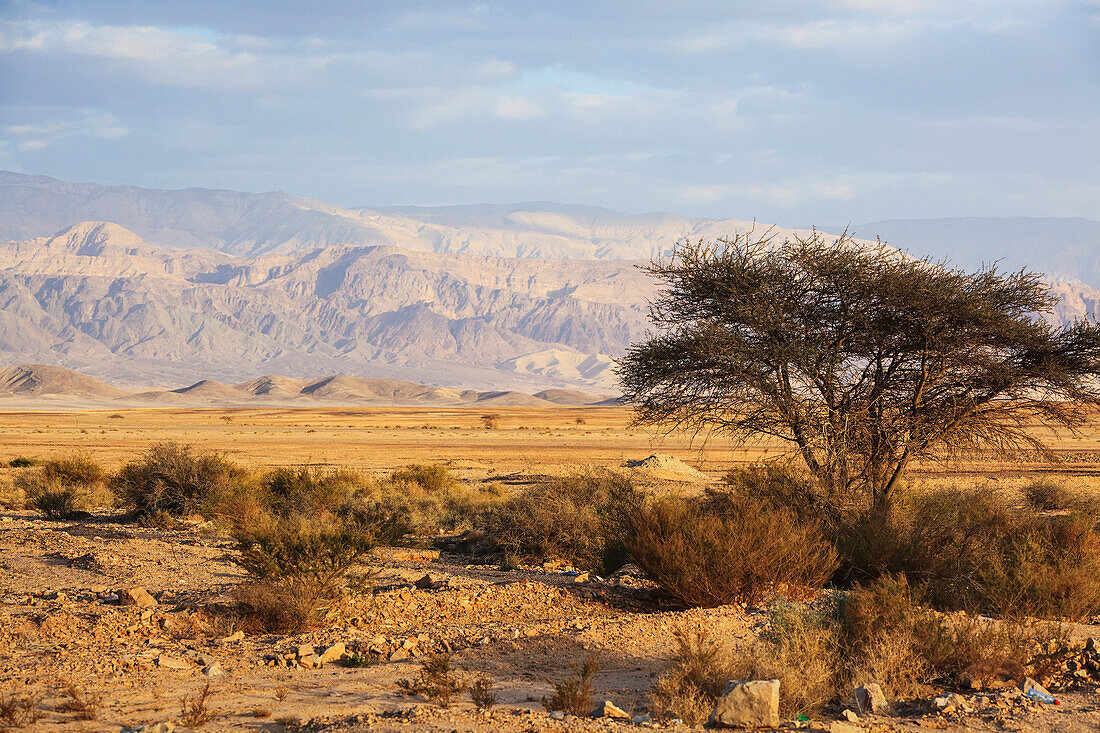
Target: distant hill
<point>24,383</point>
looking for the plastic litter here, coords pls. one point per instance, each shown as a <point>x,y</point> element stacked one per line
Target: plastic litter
<point>1039,695</point>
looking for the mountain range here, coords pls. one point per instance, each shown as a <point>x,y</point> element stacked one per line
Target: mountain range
<point>41,384</point>
<point>138,286</point>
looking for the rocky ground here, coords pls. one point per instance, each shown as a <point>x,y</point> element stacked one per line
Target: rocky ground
<point>83,660</point>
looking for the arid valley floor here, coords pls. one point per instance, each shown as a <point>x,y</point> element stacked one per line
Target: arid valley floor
<point>60,624</point>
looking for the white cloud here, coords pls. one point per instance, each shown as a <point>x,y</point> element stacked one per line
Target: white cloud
<point>88,123</point>
<point>518,108</point>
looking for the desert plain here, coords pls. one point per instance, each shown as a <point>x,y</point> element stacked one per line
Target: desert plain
<point>86,663</point>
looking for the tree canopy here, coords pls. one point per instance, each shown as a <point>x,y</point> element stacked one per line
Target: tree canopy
<point>862,359</point>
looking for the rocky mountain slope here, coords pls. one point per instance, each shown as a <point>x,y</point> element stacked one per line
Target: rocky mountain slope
<point>98,298</point>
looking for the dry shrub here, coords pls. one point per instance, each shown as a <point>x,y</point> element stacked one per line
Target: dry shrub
<point>196,712</point>
<point>434,499</point>
<point>1047,495</point>
<point>23,462</point>
<point>690,688</point>
<point>306,490</point>
<point>61,485</point>
<point>581,519</point>
<point>175,478</point>
<point>438,681</point>
<point>970,550</point>
<point>574,695</point>
<point>19,711</point>
<point>730,551</point>
<point>298,563</point>
<point>782,486</point>
<point>482,693</point>
<point>84,705</point>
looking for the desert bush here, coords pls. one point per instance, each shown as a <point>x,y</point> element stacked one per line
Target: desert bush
<point>970,550</point>
<point>296,564</point>
<point>195,711</point>
<point>1048,495</point>
<point>574,695</point>
<point>22,462</point>
<point>582,519</point>
<point>19,711</point>
<point>437,681</point>
<point>58,486</point>
<point>82,704</point>
<point>175,478</point>
<point>434,499</point>
<point>306,490</point>
<point>711,552</point>
<point>482,693</point>
<point>780,485</point>
<point>689,689</point>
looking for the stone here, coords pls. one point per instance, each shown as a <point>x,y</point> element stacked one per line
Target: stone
<point>305,650</point>
<point>333,653</point>
<point>310,661</point>
<point>235,636</point>
<point>838,727</point>
<point>752,704</point>
<point>1091,644</point>
<point>162,727</point>
<point>869,699</point>
<point>430,582</point>
<point>582,578</point>
<point>1030,684</point>
<point>850,716</point>
<point>608,709</point>
<point>172,663</point>
<point>137,596</point>
<point>641,719</point>
<point>213,670</point>
<point>399,655</point>
<point>557,715</point>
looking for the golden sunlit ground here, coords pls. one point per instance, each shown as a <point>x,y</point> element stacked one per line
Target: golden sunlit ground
<point>379,439</point>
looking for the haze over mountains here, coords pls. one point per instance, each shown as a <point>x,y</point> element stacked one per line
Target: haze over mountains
<point>142,287</point>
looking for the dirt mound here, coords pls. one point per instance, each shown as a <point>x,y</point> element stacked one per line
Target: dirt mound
<point>670,466</point>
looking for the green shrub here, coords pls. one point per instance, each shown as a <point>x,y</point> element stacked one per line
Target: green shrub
<point>781,486</point>
<point>74,469</point>
<point>582,519</point>
<point>22,462</point>
<point>434,499</point>
<point>711,553</point>
<point>174,478</point>
<point>55,501</point>
<point>574,695</point>
<point>1048,495</point>
<point>306,490</point>
<point>438,681</point>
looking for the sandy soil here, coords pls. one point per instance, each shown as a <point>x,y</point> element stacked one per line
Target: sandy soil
<point>60,622</point>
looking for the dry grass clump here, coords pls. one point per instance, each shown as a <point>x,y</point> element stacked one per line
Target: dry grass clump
<point>175,478</point>
<point>691,687</point>
<point>726,549</point>
<point>482,693</point>
<point>195,711</point>
<point>580,519</point>
<point>574,695</point>
<point>970,550</point>
<point>59,486</point>
<point>19,711</point>
<point>1048,495</point>
<point>84,705</point>
<point>23,462</point>
<point>437,681</point>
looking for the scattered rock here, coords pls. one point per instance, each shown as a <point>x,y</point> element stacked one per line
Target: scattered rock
<point>162,727</point>
<point>838,727</point>
<point>557,715</point>
<point>869,699</point>
<point>213,670</point>
<point>641,719</point>
<point>172,662</point>
<point>333,653</point>
<point>748,705</point>
<point>235,636</point>
<point>431,582</point>
<point>608,709</point>
<point>137,596</point>
<point>850,716</point>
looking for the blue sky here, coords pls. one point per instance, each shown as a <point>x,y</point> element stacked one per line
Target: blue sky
<point>794,113</point>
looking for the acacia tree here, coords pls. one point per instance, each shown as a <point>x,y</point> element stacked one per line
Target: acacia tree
<point>860,358</point>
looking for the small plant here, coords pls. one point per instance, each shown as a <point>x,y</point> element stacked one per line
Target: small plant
<point>482,693</point>
<point>23,462</point>
<point>574,695</point>
<point>196,712</point>
<point>1048,495</point>
<point>690,688</point>
<point>55,502</point>
<point>281,693</point>
<point>358,661</point>
<point>115,416</point>
<point>288,721</point>
<point>227,419</point>
<point>436,682</point>
<point>490,422</point>
<point>261,713</point>
<point>19,711</point>
<point>84,705</point>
